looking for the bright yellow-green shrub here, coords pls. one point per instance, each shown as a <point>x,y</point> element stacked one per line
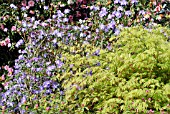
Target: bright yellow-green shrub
<point>133,77</point>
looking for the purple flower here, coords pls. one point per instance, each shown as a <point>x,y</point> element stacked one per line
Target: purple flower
<point>35,91</point>
<point>55,85</point>
<point>59,34</point>
<point>16,71</point>
<point>46,84</point>
<point>95,8</point>
<point>59,13</point>
<point>32,34</point>
<point>128,13</point>
<point>109,47</point>
<point>23,8</point>
<point>39,69</point>
<point>123,2</point>
<point>97,30</point>
<point>10,104</point>
<point>98,64</point>
<point>116,1</point>
<point>21,57</point>
<point>20,42</point>
<point>61,93</point>
<point>103,12</point>
<point>112,24</point>
<point>109,16</point>
<point>41,88</point>
<point>24,99</point>
<point>50,68</point>
<point>66,11</point>
<point>82,34</point>
<point>28,64</point>
<point>102,27</point>
<point>97,52</point>
<point>35,59</point>
<point>142,12</point>
<point>45,7</point>
<point>48,91</point>
<point>55,32</point>
<point>116,32</point>
<point>59,63</point>
<point>65,20</point>
<point>54,16</point>
<point>120,8</point>
<point>118,14</point>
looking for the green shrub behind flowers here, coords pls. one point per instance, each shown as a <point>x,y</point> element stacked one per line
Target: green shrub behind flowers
<point>132,77</point>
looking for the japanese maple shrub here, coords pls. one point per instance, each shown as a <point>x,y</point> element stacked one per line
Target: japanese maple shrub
<point>132,77</point>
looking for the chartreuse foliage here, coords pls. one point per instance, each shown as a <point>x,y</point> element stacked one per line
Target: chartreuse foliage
<point>133,77</point>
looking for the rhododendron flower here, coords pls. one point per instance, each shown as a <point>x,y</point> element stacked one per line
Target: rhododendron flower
<point>2,77</point>
<point>71,18</point>
<point>36,106</point>
<point>6,67</point>
<point>7,40</point>
<point>24,3</point>
<point>32,12</point>
<point>2,26</point>
<point>158,8</point>
<point>3,43</point>
<point>13,28</point>
<point>31,3</point>
<point>78,14</point>
<point>79,1</point>
<point>151,111</point>
<point>48,108</point>
<point>10,71</point>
